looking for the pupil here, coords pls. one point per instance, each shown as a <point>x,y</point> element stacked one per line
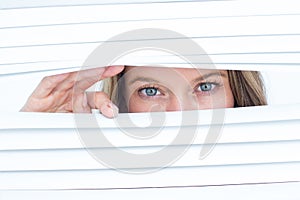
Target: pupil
<point>151,91</point>
<point>206,87</point>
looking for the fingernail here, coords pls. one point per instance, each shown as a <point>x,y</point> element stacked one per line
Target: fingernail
<point>109,110</point>
<point>114,108</point>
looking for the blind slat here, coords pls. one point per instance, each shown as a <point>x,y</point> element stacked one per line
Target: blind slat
<point>42,151</point>
<point>222,155</point>
<point>278,191</point>
<point>233,116</point>
<point>186,176</point>
<point>67,138</point>
<point>207,28</point>
<point>264,61</point>
<point>210,9</point>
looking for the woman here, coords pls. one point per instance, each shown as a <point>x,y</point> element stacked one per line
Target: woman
<point>147,89</point>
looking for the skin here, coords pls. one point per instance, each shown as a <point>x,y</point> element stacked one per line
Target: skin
<point>147,89</point>
<point>67,93</point>
<point>150,89</point>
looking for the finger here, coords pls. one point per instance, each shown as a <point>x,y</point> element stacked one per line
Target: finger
<point>100,72</point>
<point>87,78</point>
<point>80,103</point>
<point>109,110</point>
<point>112,71</point>
<point>47,85</point>
<point>74,77</point>
<point>101,101</point>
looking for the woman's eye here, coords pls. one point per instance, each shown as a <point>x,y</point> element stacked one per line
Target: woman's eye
<point>150,91</point>
<point>206,87</point>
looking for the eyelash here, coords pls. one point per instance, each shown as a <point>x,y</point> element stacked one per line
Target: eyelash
<point>144,87</point>
<point>215,85</point>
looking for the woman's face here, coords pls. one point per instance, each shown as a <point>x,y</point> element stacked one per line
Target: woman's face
<point>152,89</point>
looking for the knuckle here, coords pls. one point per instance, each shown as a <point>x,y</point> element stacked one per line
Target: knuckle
<point>100,97</point>
<point>48,80</point>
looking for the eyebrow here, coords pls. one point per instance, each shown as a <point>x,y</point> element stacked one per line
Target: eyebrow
<point>144,79</point>
<point>203,77</point>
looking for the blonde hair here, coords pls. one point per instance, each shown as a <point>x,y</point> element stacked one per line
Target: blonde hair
<point>247,88</point>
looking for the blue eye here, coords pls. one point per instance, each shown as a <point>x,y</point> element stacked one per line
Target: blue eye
<point>150,91</point>
<point>206,87</point>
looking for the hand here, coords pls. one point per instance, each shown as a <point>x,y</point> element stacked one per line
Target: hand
<point>67,93</point>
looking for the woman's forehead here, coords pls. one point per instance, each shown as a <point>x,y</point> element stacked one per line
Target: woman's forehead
<point>167,71</point>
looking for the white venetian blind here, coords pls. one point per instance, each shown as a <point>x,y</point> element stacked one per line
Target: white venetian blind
<point>41,154</point>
